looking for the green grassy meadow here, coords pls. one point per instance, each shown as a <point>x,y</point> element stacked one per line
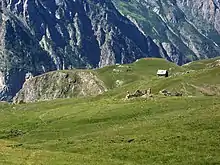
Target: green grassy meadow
<point>109,130</point>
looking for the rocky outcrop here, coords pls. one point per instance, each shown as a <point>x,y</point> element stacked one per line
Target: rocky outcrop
<point>40,36</point>
<point>59,84</point>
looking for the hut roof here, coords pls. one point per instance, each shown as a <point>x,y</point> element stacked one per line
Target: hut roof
<point>162,72</point>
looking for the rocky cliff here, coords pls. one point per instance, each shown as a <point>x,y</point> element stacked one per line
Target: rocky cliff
<point>39,36</point>
<point>60,84</point>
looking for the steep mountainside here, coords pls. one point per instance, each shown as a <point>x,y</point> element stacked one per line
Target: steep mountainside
<point>185,30</point>
<point>39,36</point>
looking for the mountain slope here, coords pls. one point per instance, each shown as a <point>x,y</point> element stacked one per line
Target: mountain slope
<point>200,78</point>
<point>184,30</point>
<point>39,36</point>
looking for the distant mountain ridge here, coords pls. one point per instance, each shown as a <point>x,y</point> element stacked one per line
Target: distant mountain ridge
<point>184,30</point>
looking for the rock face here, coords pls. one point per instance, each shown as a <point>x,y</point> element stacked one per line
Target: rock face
<point>39,36</point>
<point>59,84</point>
<point>184,30</point>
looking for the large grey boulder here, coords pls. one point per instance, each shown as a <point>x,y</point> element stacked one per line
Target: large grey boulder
<point>60,84</point>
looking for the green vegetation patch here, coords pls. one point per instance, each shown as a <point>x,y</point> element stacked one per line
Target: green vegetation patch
<point>93,131</point>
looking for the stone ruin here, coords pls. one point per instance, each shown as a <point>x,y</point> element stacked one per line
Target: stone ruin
<point>148,93</point>
<point>138,93</point>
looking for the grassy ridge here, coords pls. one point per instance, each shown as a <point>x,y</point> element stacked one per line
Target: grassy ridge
<point>191,80</point>
<point>109,130</point>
